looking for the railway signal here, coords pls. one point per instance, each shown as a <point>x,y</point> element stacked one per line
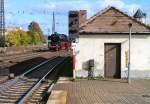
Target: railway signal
<point>73,25</point>
<point>74,35</point>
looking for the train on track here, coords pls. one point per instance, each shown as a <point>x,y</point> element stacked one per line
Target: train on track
<point>58,42</point>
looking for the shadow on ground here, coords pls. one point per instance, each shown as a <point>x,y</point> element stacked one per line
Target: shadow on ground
<point>64,70</point>
<point>19,68</point>
<point>67,70</point>
<point>45,50</point>
<point>23,66</point>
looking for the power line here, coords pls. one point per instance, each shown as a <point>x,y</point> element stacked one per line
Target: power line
<point>44,12</point>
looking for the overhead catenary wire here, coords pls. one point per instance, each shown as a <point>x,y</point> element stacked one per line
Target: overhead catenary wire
<point>47,14</point>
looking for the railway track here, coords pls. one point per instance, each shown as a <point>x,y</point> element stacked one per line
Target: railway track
<point>29,87</point>
<point>20,57</point>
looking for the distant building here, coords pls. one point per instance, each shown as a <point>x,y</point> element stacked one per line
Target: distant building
<point>140,16</point>
<point>104,38</point>
<point>12,29</point>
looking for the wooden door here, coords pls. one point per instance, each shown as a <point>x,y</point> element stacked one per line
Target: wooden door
<point>112,60</point>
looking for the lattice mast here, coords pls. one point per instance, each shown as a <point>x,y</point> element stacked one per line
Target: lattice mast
<point>2,24</point>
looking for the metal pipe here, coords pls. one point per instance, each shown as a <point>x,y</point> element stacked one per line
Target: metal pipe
<point>129,63</point>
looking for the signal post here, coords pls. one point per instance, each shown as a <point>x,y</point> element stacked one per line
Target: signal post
<point>74,36</point>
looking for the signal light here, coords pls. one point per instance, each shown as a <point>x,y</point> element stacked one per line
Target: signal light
<point>73,25</point>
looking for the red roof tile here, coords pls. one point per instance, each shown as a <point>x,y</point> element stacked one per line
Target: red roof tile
<point>112,20</point>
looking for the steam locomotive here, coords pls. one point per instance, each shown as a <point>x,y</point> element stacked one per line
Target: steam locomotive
<point>58,42</point>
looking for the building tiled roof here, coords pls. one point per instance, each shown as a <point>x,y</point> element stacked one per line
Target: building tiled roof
<point>112,20</point>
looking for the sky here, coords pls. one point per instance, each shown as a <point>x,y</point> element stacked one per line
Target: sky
<point>22,12</point>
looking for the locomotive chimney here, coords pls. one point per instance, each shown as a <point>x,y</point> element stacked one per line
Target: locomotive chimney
<point>82,16</point>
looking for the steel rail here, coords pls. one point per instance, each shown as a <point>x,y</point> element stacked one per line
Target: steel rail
<point>37,66</point>
<point>52,85</point>
<point>24,98</point>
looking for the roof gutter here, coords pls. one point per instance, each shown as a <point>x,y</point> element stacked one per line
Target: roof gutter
<point>114,33</point>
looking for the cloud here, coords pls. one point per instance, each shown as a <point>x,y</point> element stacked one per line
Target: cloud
<point>129,8</point>
<point>91,6</point>
<point>62,6</point>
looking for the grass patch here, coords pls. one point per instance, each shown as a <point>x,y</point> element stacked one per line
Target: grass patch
<point>99,78</point>
<point>89,78</point>
<point>73,79</point>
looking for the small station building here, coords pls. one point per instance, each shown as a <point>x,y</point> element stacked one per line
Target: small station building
<point>104,38</point>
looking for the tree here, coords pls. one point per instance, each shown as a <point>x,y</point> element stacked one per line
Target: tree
<point>24,38</point>
<point>12,38</point>
<point>37,39</point>
<point>35,28</point>
<point>17,38</point>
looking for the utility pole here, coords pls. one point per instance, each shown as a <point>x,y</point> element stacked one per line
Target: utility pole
<point>2,24</point>
<point>74,36</point>
<point>129,63</point>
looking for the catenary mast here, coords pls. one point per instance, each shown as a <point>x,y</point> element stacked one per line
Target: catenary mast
<point>2,24</point>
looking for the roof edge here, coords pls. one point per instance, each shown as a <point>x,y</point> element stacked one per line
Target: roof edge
<point>84,33</point>
<point>105,10</point>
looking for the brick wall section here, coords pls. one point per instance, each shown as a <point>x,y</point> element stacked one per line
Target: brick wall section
<point>82,16</point>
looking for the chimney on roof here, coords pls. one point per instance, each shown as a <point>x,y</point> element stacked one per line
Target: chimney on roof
<point>82,16</point>
<point>140,16</point>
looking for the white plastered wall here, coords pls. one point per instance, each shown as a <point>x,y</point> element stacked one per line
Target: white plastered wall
<point>92,47</point>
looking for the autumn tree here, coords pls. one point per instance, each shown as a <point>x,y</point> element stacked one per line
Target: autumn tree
<point>34,28</point>
<point>12,38</point>
<point>24,38</point>
<point>17,38</point>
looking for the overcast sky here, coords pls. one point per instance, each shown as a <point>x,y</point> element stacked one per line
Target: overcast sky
<point>22,12</point>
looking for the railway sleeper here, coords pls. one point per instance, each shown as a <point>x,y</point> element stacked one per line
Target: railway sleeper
<point>9,97</point>
<point>19,92</point>
<point>8,101</point>
<point>37,95</point>
<point>12,94</point>
<point>6,84</point>
<point>22,82</point>
<point>35,100</point>
<point>14,90</point>
<point>20,89</point>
